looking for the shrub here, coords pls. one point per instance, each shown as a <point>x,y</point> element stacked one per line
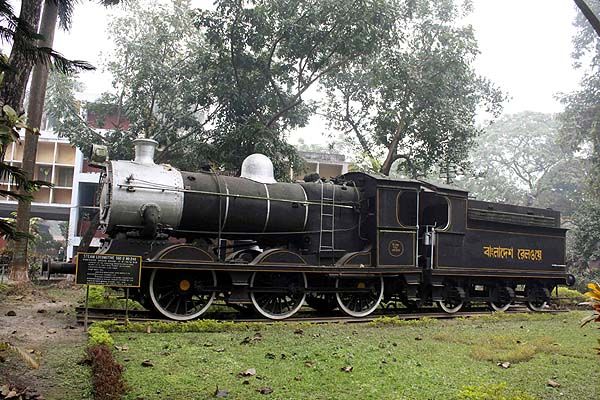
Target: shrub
<point>107,374</point>
<point>99,336</point>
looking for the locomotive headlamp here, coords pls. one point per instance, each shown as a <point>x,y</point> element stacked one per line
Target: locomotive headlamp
<point>98,155</point>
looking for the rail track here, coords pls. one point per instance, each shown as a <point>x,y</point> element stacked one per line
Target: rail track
<point>104,314</point>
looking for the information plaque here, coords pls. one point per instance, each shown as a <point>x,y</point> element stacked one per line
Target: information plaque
<point>108,270</point>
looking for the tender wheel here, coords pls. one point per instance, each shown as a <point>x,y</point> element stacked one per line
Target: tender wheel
<point>502,297</point>
<point>277,295</point>
<point>453,299</point>
<point>322,302</point>
<point>182,295</point>
<point>359,303</point>
<point>537,297</point>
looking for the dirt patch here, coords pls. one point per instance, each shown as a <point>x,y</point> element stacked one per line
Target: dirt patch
<point>41,322</point>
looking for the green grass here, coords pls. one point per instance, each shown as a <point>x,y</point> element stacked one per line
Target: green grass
<point>65,376</point>
<point>442,360</point>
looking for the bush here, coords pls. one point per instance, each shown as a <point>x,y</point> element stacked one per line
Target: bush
<point>570,297</point>
<point>99,336</point>
<point>107,374</point>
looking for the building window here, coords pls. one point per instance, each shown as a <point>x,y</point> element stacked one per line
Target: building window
<point>64,177</point>
<point>87,194</point>
<point>43,173</point>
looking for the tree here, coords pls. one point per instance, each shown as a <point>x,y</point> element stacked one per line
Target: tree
<point>268,53</point>
<point>162,87</point>
<point>22,31</point>
<point>52,10</point>
<point>413,104</point>
<point>230,86</point>
<point>519,159</point>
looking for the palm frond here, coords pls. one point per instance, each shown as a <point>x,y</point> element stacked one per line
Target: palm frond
<point>8,230</point>
<point>17,196</point>
<point>48,56</point>
<point>65,12</point>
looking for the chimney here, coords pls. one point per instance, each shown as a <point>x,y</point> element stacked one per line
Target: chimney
<point>144,151</point>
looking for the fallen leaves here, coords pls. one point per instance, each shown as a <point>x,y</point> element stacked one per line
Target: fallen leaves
<point>265,390</point>
<point>504,364</point>
<point>11,313</point>
<point>14,393</point>
<point>347,368</point>
<point>249,340</point>
<point>248,372</point>
<point>147,363</point>
<point>553,383</point>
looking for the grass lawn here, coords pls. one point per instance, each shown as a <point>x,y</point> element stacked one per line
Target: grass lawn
<point>454,359</point>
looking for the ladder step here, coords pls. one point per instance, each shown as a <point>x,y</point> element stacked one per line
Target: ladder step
<point>327,230</point>
<point>327,215</point>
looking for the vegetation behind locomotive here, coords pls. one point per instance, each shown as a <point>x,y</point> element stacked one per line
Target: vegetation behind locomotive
<point>349,242</point>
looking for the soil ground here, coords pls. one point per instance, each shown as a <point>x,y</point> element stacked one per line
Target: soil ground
<point>44,327</point>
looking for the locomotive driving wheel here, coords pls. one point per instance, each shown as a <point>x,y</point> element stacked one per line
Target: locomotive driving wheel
<point>453,299</point>
<point>359,297</point>
<point>182,295</point>
<point>501,298</point>
<point>278,295</point>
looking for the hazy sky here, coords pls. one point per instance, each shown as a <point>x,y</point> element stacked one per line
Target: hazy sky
<point>525,49</point>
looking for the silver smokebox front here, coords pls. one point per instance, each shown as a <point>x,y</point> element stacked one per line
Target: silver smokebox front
<point>132,186</point>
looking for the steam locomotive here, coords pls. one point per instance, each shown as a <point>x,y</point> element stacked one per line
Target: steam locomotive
<point>351,242</point>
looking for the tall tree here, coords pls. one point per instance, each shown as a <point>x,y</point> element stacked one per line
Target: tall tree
<point>232,84</point>
<point>267,54</point>
<point>519,159</point>
<point>53,9</point>
<point>19,264</point>
<point>414,103</point>
<point>162,87</point>
<point>580,127</point>
<point>20,63</point>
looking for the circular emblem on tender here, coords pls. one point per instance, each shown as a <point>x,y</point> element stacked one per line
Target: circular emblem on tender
<point>396,248</point>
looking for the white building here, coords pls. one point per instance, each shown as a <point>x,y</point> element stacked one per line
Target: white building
<point>74,184</point>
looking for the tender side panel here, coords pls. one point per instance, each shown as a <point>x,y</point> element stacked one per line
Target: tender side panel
<point>396,248</point>
<point>512,250</point>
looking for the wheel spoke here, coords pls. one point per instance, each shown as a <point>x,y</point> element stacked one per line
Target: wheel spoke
<point>359,304</point>
<point>182,296</point>
<point>277,304</point>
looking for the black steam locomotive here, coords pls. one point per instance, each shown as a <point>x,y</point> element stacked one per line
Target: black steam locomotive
<point>348,243</point>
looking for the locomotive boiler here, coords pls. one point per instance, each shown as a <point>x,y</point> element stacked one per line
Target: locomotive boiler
<point>349,242</point>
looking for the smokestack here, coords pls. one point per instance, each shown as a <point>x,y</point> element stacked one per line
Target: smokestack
<point>144,151</point>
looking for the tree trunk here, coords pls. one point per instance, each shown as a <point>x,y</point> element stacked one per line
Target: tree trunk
<point>391,156</point>
<point>12,91</point>
<point>39,81</point>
